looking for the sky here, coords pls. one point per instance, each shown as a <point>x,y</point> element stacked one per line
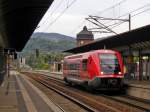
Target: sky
<point>68,16</point>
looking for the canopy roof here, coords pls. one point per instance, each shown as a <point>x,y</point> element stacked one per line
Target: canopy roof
<point>129,38</point>
<point>18,20</point>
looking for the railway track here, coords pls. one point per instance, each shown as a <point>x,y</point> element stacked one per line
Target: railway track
<point>128,100</point>
<point>132,101</point>
<point>90,102</point>
<point>43,82</point>
<point>57,99</point>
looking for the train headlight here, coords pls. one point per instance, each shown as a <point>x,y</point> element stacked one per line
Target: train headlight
<point>102,72</point>
<point>119,73</point>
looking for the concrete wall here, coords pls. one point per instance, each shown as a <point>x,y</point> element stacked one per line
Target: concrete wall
<point>2,68</point>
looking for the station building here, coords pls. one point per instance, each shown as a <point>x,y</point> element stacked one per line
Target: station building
<point>84,37</point>
<point>134,46</point>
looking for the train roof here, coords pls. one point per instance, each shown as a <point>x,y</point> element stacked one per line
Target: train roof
<point>85,55</point>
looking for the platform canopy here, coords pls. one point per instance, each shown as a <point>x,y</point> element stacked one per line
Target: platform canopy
<point>18,20</point>
<point>137,38</point>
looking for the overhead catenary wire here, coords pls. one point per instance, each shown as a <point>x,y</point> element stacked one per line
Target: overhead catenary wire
<point>131,12</point>
<point>69,5</point>
<point>83,21</point>
<point>102,12</point>
<point>111,7</point>
<point>79,26</point>
<point>57,7</point>
<point>134,10</point>
<point>132,15</point>
<point>140,12</point>
<point>51,14</point>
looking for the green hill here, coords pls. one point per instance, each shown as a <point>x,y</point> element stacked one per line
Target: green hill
<point>49,42</point>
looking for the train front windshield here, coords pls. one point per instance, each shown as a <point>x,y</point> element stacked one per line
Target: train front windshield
<point>109,64</point>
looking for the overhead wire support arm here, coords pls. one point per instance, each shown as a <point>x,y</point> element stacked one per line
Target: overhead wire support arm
<point>100,27</point>
<point>96,21</point>
<point>100,31</point>
<point>104,26</point>
<point>94,28</point>
<point>103,18</point>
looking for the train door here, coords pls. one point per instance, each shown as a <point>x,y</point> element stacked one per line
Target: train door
<point>145,69</point>
<point>148,69</point>
<point>84,74</point>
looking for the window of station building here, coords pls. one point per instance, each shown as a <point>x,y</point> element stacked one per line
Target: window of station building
<point>145,57</point>
<point>82,42</point>
<point>84,64</point>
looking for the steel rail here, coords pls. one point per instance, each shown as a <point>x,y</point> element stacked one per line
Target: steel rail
<point>84,106</point>
<point>106,96</point>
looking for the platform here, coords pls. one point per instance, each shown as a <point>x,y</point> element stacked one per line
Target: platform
<point>139,89</point>
<point>17,94</point>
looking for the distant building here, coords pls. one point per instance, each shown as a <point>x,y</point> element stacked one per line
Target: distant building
<point>22,61</point>
<point>84,37</point>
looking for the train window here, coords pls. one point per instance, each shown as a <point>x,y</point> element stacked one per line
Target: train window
<point>84,64</point>
<point>78,66</point>
<point>73,66</point>
<point>109,64</point>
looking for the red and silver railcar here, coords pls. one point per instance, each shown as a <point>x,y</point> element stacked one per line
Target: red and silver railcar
<point>99,69</point>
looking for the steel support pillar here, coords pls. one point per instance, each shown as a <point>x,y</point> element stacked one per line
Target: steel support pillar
<point>140,65</point>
